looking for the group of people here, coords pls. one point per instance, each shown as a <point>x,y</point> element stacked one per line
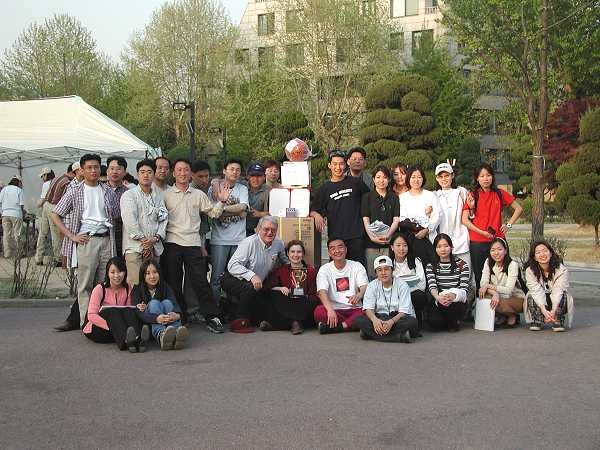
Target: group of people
<point>401,257</point>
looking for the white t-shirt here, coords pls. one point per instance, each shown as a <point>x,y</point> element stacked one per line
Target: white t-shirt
<point>11,200</point>
<point>341,284</point>
<point>230,231</point>
<point>413,207</point>
<point>415,278</point>
<point>93,219</point>
<point>384,301</point>
<point>45,188</point>
<point>451,208</point>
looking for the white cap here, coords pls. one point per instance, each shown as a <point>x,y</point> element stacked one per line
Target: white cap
<point>443,167</point>
<point>382,261</point>
<point>45,171</point>
<point>75,166</point>
<point>16,177</point>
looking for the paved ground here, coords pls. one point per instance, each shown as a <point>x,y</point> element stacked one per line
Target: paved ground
<point>510,389</point>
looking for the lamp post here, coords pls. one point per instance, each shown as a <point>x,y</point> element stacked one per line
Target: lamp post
<point>182,106</point>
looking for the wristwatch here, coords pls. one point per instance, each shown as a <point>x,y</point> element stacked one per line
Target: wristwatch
<point>508,225</point>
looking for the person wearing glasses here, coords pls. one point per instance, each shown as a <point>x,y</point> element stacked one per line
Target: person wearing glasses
<point>381,217</point>
<point>255,257</point>
<point>339,201</point>
<point>357,160</point>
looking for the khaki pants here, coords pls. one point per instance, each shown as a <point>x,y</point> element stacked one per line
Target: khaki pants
<point>47,226</point>
<point>11,228</point>
<point>511,305</point>
<point>371,254</point>
<point>133,261</point>
<point>91,268</point>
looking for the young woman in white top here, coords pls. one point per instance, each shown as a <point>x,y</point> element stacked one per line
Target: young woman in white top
<point>548,299</point>
<point>409,268</point>
<point>419,214</point>
<point>500,282</point>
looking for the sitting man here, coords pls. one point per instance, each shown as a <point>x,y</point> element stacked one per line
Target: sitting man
<point>389,313</point>
<point>249,266</point>
<point>341,285</point>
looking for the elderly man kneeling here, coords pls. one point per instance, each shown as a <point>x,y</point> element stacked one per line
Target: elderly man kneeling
<point>249,266</point>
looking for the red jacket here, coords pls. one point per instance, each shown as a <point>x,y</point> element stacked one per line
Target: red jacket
<point>282,277</point>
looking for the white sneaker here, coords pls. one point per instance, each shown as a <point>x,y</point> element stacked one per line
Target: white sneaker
<point>181,335</point>
<point>167,339</point>
<point>535,327</point>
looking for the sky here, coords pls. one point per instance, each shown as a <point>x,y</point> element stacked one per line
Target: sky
<point>111,22</point>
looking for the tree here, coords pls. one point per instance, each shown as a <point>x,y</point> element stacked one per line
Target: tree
<point>184,52</point>
<point>468,157</point>
<point>512,37</point>
<point>333,51</point>
<point>55,58</point>
<point>579,188</point>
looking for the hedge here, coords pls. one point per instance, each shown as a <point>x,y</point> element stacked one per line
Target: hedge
<point>384,148</point>
<point>415,101</point>
<point>589,127</point>
<point>380,131</point>
<point>427,140</point>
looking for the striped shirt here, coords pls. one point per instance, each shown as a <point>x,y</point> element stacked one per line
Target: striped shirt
<point>444,279</point>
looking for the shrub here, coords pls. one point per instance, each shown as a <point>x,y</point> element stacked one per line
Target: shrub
<point>394,117</point>
<point>383,149</point>
<point>427,140</point>
<point>380,131</point>
<point>415,101</point>
<point>589,127</point>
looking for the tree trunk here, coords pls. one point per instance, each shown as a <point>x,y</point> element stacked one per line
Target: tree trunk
<point>537,213</point>
<point>596,240</point>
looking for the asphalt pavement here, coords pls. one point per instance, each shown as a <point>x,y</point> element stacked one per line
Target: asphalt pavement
<point>511,389</point>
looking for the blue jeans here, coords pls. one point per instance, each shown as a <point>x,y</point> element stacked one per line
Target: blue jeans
<point>219,255</point>
<point>164,307</point>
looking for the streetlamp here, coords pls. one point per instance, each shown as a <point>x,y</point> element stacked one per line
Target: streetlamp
<point>182,106</point>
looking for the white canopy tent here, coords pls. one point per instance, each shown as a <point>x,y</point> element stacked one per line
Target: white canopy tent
<point>55,132</point>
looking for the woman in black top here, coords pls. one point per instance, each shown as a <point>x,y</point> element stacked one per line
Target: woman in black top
<point>383,206</point>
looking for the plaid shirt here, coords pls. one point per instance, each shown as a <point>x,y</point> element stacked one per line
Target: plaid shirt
<point>72,204</point>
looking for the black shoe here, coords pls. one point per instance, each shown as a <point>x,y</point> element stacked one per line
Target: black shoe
<point>405,337</point>
<point>131,340</point>
<point>215,325</point>
<point>364,336</point>
<point>66,326</point>
<point>265,326</point>
<point>144,336</point>
<point>196,317</point>
<point>326,329</point>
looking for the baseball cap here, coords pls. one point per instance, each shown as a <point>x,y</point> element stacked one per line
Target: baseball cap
<point>382,261</point>
<point>45,171</point>
<point>256,169</point>
<point>443,167</point>
<point>16,177</point>
<point>241,326</point>
<point>75,166</point>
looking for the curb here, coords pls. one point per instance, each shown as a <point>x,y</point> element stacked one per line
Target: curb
<point>580,265</point>
<point>34,303</point>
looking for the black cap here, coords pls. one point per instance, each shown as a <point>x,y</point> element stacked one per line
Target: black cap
<point>255,169</point>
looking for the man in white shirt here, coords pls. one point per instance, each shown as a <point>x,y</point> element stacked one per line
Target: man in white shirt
<point>12,210</point>
<point>47,175</point>
<point>341,285</point>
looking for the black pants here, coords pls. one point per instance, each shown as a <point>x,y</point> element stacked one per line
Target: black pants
<point>73,317</point>
<point>480,251</point>
<point>406,323</point>
<point>423,248</point>
<point>356,250</point>
<point>420,302</point>
<point>443,318</point>
<point>281,310</point>
<point>174,260</point>
<point>118,320</point>
<point>249,301</point>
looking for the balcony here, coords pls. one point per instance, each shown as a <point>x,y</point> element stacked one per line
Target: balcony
<point>431,10</point>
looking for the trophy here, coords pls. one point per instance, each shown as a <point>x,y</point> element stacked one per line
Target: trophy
<point>298,277</point>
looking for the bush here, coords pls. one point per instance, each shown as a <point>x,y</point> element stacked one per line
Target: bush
<point>380,131</point>
<point>419,157</point>
<point>589,127</point>
<point>408,83</point>
<point>383,149</point>
<point>178,152</point>
<point>407,119</point>
<point>415,101</point>
<point>427,140</point>
<point>382,96</point>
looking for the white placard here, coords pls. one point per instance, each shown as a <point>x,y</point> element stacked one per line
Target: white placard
<point>279,201</point>
<point>300,200</point>
<point>484,315</point>
<point>295,174</point>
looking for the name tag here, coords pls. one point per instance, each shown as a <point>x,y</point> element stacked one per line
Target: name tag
<point>298,292</point>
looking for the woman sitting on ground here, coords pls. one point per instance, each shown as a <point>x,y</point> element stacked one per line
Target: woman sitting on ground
<point>410,270</point>
<point>548,300</point>
<point>111,316</point>
<point>293,296</point>
<point>156,301</point>
<point>389,313</point>
<point>448,280</point>
<point>500,282</point>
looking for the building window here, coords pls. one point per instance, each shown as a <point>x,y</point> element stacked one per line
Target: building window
<point>266,24</point>
<point>421,38</point>
<point>266,56</point>
<point>322,51</point>
<point>396,41</point>
<point>294,55</point>
<point>402,8</point>
<point>342,50</point>
<point>242,56</point>
<point>292,21</point>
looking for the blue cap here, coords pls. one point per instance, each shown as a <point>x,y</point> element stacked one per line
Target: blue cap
<point>256,169</point>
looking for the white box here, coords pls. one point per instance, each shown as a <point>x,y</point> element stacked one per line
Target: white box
<point>281,199</point>
<point>295,174</point>
<point>484,315</point>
